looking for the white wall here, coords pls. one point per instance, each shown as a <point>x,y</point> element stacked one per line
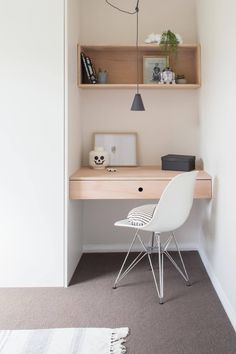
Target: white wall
<point>169,124</point>
<point>73,134</point>
<point>216,20</point>
<point>101,235</point>
<point>32,143</point>
<point>104,25</point>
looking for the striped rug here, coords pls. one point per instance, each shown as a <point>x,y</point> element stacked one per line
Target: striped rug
<point>64,341</point>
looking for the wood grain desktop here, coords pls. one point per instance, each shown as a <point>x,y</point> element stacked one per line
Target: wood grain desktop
<point>145,182</point>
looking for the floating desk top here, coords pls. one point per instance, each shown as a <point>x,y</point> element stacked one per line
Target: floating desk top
<point>145,182</point>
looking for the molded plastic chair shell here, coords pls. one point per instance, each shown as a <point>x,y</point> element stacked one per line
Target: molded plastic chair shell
<point>174,205</point>
<point>171,212</point>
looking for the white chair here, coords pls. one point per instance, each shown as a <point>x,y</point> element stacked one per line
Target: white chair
<point>168,215</point>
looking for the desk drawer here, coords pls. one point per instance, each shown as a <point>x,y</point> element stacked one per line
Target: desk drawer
<point>129,189</point>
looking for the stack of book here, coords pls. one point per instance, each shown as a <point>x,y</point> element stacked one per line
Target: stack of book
<point>88,72</point>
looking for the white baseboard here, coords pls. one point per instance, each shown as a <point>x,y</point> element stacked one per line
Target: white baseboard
<point>219,290</point>
<point>103,248</point>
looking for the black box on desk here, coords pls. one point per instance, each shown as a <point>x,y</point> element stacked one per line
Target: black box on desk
<point>178,162</point>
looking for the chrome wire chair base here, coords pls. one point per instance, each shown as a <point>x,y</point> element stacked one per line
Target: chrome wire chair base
<point>155,248</point>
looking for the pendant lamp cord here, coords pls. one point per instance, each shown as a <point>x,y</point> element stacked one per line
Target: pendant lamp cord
<point>137,58</point>
<point>121,10</point>
<point>137,24</point>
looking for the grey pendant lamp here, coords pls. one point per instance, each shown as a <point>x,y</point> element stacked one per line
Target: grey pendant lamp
<point>137,104</point>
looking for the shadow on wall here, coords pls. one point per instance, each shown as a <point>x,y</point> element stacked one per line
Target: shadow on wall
<point>199,164</point>
<point>210,219</point>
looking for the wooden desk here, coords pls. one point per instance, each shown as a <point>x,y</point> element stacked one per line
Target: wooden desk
<point>130,183</point>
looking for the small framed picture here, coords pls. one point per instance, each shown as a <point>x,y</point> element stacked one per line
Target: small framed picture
<point>121,147</point>
<point>152,68</point>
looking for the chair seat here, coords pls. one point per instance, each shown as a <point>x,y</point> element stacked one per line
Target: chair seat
<point>138,217</point>
<point>125,223</point>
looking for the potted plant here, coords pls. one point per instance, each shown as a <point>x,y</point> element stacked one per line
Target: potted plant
<point>169,42</point>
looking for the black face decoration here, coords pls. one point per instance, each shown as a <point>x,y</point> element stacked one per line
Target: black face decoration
<point>99,160</point>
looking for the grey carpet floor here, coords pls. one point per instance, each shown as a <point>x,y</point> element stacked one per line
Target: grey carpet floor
<point>191,321</point>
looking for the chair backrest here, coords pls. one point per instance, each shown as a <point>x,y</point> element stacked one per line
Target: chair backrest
<point>175,203</point>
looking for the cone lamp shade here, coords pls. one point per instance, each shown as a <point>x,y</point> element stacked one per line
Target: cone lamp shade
<point>137,104</point>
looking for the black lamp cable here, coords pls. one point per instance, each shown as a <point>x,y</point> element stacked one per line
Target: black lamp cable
<point>137,104</point>
<point>137,58</point>
<point>121,10</point>
<point>137,33</point>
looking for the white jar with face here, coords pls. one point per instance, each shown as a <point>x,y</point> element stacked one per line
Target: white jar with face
<point>98,158</point>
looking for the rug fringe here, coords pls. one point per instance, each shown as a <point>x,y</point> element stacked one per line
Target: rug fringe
<point>117,339</point>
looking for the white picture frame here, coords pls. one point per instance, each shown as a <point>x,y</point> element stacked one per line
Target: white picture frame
<point>150,64</point>
<point>122,147</point>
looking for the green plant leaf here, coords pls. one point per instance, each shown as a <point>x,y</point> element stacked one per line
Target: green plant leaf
<point>169,42</point>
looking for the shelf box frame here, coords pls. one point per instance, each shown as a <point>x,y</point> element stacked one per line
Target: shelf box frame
<point>120,62</point>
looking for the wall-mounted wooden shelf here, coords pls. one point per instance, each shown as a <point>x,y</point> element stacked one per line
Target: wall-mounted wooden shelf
<point>120,62</point>
<point>142,86</point>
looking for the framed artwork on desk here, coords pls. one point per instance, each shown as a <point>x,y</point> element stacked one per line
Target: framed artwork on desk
<point>122,147</point>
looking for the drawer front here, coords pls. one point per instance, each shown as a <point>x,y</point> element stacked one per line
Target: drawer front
<point>129,189</point>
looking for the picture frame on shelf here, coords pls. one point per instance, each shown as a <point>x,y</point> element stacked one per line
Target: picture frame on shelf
<point>122,147</point>
<point>152,68</point>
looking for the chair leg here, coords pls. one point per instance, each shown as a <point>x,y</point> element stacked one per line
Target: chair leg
<point>153,239</point>
<point>160,289</point>
<point>161,269</point>
<point>152,244</point>
<point>140,256</point>
<point>154,277</point>
<point>184,272</point>
<point>188,283</point>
